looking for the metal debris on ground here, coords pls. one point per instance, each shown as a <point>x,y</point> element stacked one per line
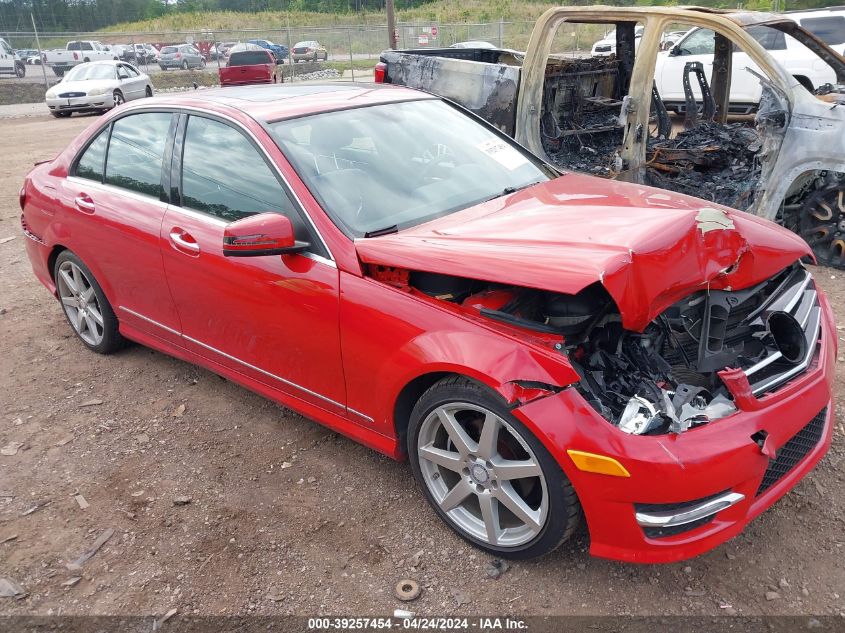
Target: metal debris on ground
<point>91,403</point>
<point>179,411</point>
<point>10,589</point>
<point>101,540</point>
<point>407,590</point>
<point>81,501</point>
<point>182,500</point>
<point>70,582</point>
<point>37,506</point>
<point>158,623</point>
<point>712,161</point>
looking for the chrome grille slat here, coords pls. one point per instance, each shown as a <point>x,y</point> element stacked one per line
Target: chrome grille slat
<point>812,334</point>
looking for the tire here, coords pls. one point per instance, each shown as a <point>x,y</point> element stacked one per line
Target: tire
<point>185,64</point>
<point>162,67</point>
<point>86,59</point>
<point>59,72</point>
<point>60,115</point>
<point>70,272</point>
<point>20,70</point>
<point>119,99</point>
<point>148,92</point>
<point>822,224</point>
<point>202,63</point>
<point>480,474</point>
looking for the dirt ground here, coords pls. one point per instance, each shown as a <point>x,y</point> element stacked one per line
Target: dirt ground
<point>286,517</point>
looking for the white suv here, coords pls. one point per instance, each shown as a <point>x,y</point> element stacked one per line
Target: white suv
<point>698,45</point>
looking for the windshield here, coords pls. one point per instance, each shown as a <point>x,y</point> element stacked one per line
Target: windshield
<point>85,72</point>
<point>402,164</point>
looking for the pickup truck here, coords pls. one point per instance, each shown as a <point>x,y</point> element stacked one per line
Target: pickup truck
<point>604,115</point>
<point>76,52</point>
<point>249,67</point>
<point>10,64</point>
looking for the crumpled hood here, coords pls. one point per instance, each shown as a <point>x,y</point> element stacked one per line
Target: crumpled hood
<point>648,247</point>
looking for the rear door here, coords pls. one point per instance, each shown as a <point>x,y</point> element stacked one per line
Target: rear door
<point>114,202</point>
<point>272,319</point>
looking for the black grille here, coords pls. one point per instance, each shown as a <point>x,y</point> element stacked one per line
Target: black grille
<point>794,451</point>
<point>67,95</point>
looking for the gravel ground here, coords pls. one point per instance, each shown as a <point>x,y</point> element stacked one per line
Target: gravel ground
<point>281,516</point>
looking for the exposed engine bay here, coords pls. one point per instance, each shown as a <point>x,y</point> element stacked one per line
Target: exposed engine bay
<point>664,379</point>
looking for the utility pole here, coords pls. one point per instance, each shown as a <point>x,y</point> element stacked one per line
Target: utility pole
<point>391,25</point>
<point>40,54</point>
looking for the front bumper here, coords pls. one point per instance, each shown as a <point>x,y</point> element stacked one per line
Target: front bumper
<point>81,104</point>
<point>701,464</point>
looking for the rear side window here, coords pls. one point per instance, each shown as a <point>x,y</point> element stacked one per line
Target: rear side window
<point>136,152</point>
<point>830,30</point>
<point>248,58</point>
<point>90,165</point>
<point>169,49</point>
<point>767,37</point>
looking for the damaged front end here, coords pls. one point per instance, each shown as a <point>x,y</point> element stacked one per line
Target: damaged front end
<point>668,378</point>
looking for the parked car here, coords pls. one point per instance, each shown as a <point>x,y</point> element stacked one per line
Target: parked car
<point>124,52</point>
<point>826,24</point>
<point>9,62</point>
<point>788,166</point>
<point>309,50</point>
<point>280,51</point>
<point>255,65</point>
<point>183,56</point>
<point>35,60</point>
<point>443,296</point>
<point>97,86</point>
<point>607,45</point>
<point>474,44</point>
<point>25,53</point>
<point>76,52</point>
<point>146,54</point>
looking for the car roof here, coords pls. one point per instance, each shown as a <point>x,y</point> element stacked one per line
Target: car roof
<point>268,103</point>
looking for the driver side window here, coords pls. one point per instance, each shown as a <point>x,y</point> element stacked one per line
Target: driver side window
<point>224,175</point>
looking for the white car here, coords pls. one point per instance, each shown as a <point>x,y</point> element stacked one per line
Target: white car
<point>607,45</point>
<point>826,24</point>
<point>9,63</point>
<point>97,86</point>
<point>698,45</point>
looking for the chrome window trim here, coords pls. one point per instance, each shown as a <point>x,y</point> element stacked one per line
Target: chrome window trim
<point>115,189</point>
<point>242,362</point>
<point>359,414</point>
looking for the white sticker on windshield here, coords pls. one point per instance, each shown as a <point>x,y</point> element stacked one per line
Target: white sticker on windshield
<point>503,153</point>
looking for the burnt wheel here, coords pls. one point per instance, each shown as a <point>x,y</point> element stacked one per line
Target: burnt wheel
<point>488,477</point>
<point>822,225</point>
<point>85,305</point>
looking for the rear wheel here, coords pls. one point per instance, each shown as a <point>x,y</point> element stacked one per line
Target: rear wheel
<point>488,477</point>
<point>202,63</point>
<point>148,92</point>
<point>185,65</point>
<point>59,72</point>
<point>85,306</point>
<point>20,70</point>
<point>60,115</point>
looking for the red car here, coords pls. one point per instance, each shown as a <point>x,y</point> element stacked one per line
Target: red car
<point>252,66</point>
<point>546,349</point>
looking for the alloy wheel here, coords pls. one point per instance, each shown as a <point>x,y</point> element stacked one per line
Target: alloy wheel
<point>482,475</point>
<point>80,303</point>
<point>118,99</point>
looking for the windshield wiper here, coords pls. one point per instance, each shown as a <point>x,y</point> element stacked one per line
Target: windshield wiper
<point>509,190</point>
<point>385,231</point>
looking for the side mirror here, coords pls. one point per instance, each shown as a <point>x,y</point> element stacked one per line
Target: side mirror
<point>259,235</point>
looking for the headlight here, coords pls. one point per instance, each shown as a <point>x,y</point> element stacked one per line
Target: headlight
<point>95,92</point>
<point>51,94</point>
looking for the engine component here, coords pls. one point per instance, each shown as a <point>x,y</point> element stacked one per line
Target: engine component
<point>489,299</point>
<point>571,313</point>
<point>444,287</point>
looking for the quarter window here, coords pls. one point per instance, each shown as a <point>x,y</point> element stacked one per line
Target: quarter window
<point>830,30</point>
<point>90,165</point>
<point>224,175</point>
<point>136,152</point>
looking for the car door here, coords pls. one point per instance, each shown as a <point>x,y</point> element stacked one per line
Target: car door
<point>114,204</point>
<point>136,86</point>
<point>274,319</point>
<point>7,58</point>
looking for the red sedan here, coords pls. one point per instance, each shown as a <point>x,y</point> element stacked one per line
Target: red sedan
<point>546,349</point>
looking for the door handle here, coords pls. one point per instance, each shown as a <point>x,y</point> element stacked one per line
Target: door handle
<point>184,241</point>
<point>84,203</point>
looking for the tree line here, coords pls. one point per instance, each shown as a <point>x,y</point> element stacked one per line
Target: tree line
<point>90,15</point>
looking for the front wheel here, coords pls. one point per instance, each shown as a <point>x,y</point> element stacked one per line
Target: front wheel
<point>148,92</point>
<point>59,72</point>
<point>85,306</point>
<point>118,98</point>
<point>20,70</point>
<point>59,114</point>
<point>488,477</point>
